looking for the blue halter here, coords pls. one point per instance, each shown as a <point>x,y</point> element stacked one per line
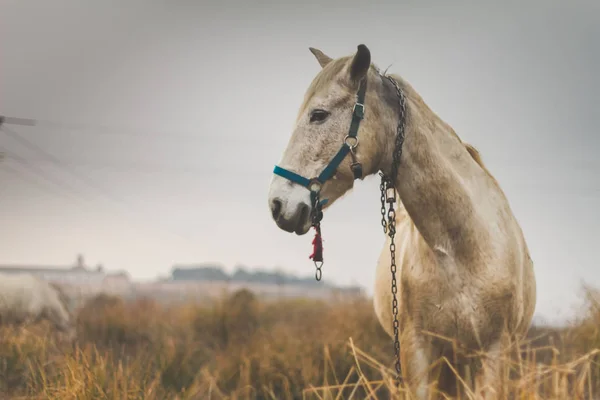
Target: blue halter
<point>349,146</point>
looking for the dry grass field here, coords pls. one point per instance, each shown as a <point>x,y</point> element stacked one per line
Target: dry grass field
<point>243,348</point>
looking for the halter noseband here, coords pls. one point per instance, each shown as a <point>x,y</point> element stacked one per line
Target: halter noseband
<point>349,146</point>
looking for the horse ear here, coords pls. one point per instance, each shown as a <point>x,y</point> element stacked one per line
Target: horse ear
<point>321,57</point>
<point>360,63</point>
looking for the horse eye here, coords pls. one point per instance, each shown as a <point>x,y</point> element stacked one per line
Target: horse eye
<point>318,115</point>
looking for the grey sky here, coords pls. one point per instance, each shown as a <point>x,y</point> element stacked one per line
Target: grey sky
<point>197,101</point>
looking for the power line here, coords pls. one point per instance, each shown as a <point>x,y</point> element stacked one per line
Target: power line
<point>142,167</point>
<point>60,164</point>
<point>138,167</point>
<point>14,135</point>
<point>123,131</point>
<point>40,173</point>
<point>16,172</point>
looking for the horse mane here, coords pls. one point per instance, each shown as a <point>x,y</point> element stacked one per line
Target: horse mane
<point>412,94</point>
<point>335,66</point>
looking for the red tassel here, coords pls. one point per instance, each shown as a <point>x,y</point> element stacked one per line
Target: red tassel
<point>317,243</point>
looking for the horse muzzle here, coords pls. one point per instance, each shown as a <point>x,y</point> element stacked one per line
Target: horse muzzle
<point>291,216</point>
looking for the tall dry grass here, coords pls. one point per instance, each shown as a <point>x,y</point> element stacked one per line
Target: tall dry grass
<point>242,348</point>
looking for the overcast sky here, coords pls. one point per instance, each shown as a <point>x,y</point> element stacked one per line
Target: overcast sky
<point>166,118</point>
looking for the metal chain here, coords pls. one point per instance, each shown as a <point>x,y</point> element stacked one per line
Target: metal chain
<point>388,194</point>
<point>382,187</point>
<point>392,234</point>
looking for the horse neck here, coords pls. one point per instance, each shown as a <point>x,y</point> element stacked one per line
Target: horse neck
<point>446,193</point>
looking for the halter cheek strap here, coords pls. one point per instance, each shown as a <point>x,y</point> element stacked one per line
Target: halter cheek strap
<point>349,146</point>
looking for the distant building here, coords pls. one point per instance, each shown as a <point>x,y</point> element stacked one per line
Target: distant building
<point>206,273</point>
<point>261,281</point>
<point>73,275</point>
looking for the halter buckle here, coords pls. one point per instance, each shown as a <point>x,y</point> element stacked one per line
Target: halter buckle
<point>359,110</point>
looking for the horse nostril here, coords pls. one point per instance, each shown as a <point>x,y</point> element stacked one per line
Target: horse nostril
<point>276,208</point>
<point>304,214</point>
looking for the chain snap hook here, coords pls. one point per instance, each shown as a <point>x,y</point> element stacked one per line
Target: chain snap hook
<point>318,272</point>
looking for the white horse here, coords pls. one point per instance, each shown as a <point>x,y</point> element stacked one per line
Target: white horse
<point>464,271</point>
<point>26,298</point>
